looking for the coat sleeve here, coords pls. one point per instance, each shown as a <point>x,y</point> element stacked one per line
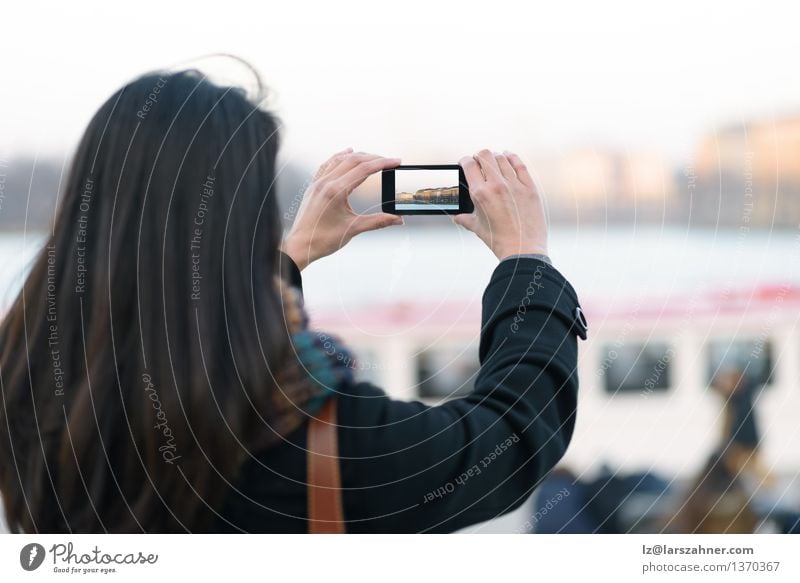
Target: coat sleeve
<point>408,467</point>
<point>289,271</point>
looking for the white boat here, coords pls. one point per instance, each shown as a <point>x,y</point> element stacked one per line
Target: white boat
<point>645,402</point>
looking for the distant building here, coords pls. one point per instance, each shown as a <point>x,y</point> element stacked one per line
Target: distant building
<point>596,185</point>
<point>749,174</point>
<point>445,195</point>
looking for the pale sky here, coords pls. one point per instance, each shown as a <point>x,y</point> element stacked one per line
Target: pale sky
<point>426,81</point>
<point>412,180</point>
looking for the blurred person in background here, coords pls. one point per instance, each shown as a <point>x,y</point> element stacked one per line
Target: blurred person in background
<point>724,497</point>
<point>716,503</point>
<point>158,371</point>
<point>739,444</point>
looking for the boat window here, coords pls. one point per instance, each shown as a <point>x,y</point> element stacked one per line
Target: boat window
<point>446,372</point>
<point>753,357</point>
<point>636,367</point>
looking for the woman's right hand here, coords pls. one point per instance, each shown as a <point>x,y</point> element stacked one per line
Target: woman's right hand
<point>509,215</point>
<point>325,221</point>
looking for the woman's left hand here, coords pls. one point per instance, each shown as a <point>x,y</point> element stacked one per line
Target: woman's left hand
<point>325,221</point>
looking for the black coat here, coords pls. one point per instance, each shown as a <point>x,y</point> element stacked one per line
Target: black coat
<point>410,467</point>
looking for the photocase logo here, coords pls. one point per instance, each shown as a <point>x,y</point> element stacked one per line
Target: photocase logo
<point>31,556</point>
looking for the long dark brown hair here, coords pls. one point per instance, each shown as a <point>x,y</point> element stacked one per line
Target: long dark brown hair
<point>138,364</point>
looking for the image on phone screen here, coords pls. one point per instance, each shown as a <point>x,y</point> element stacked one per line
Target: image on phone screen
<point>426,189</point>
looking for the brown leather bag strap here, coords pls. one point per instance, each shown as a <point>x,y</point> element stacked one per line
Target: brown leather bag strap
<point>325,509</point>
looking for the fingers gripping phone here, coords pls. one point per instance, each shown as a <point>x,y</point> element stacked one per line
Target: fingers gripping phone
<point>425,190</point>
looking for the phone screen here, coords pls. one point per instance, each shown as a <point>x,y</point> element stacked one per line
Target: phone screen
<point>426,189</point>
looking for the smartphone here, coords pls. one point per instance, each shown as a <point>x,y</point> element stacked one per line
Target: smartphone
<point>425,190</point>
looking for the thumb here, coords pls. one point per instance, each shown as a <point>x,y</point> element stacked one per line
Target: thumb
<point>375,221</point>
<point>467,220</point>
